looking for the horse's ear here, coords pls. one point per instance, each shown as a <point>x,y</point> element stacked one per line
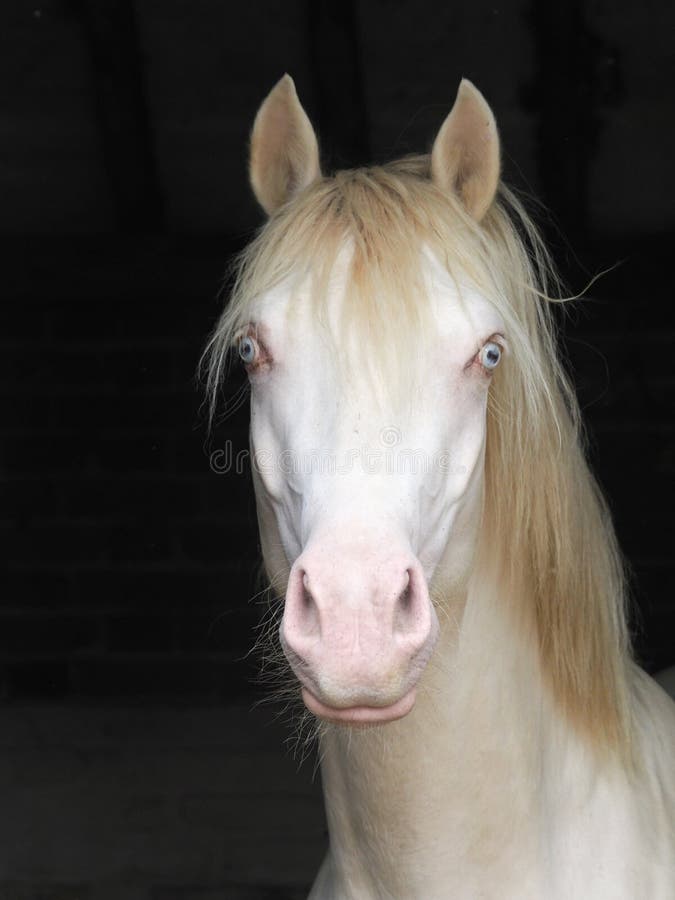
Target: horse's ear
<point>284,151</point>
<point>465,155</point>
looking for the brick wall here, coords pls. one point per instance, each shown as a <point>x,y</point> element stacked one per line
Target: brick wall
<point>618,346</point>
<point>129,563</point>
<point>154,804</point>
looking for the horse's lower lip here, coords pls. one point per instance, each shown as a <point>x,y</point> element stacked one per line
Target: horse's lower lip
<point>360,715</point>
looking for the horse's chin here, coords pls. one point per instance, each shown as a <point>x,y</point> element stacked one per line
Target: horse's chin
<point>359,716</point>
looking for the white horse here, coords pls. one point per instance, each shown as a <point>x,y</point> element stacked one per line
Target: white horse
<point>454,596</point>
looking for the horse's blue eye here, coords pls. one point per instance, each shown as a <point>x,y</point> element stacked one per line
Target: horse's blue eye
<point>248,350</point>
<point>490,355</point>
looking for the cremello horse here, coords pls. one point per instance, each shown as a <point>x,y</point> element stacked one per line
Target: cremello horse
<point>454,597</point>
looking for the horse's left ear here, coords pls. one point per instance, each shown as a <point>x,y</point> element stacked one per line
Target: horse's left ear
<point>465,155</point>
<point>284,150</point>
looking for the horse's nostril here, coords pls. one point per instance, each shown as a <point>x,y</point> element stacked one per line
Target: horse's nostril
<point>303,608</point>
<point>306,595</point>
<point>404,599</point>
<point>411,613</point>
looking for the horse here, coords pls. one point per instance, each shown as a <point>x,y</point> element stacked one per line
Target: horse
<point>452,596</point>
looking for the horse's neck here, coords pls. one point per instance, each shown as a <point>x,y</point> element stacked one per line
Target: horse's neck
<point>458,779</point>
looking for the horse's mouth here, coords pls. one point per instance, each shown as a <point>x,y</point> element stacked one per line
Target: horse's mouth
<point>356,716</point>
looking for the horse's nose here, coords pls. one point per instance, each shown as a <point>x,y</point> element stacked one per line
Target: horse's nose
<point>357,635</point>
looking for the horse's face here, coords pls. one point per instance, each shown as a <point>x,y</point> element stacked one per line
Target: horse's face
<point>362,502</point>
<point>366,500</point>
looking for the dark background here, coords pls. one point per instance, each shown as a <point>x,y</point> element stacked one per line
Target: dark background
<point>130,763</point>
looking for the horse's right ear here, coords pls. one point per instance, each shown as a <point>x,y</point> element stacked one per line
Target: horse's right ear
<point>284,151</point>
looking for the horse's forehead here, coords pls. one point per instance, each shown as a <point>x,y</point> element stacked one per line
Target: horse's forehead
<point>456,305</point>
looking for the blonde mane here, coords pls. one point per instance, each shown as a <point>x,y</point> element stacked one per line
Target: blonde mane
<point>545,519</point>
